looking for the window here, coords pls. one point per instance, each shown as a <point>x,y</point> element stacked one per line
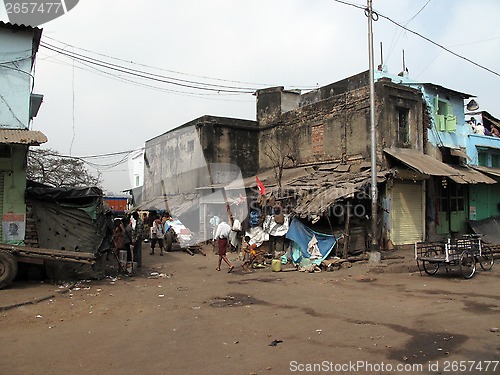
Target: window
<point>403,135</point>
<point>5,151</point>
<point>444,118</point>
<point>190,145</point>
<point>136,181</point>
<point>489,159</point>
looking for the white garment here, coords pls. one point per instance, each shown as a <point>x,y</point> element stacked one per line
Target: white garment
<point>223,230</point>
<point>313,249</point>
<point>479,129</point>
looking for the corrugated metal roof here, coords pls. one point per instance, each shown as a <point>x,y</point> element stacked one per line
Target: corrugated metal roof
<point>23,137</point>
<point>471,176</point>
<point>490,171</point>
<point>422,163</point>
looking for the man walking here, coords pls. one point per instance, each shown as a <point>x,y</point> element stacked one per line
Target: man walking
<point>221,236</point>
<point>137,237</point>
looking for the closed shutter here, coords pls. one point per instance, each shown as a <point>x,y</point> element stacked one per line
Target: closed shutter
<point>407,213</point>
<point>1,203</point>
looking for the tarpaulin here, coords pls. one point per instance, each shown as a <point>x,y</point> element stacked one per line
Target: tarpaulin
<point>301,235</point>
<point>489,228</point>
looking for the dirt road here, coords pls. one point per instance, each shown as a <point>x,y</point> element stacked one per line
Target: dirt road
<point>181,316</point>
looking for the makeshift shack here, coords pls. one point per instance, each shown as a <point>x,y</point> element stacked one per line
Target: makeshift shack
<point>71,219</point>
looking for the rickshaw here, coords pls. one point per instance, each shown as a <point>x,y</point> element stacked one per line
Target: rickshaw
<point>463,253</point>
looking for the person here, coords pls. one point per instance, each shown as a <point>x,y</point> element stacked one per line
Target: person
<point>248,253</point>
<point>137,238</point>
<point>165,217</point>
<point>127,238</point>
<point>494,131</point>
<point>478,129</point>
<point>145,221</point>
<point>13,229</point>
<point>157,235</point>
<point>117,237</point>
<point>221,236</point>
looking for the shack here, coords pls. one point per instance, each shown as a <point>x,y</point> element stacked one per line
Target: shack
<point>70,219</point>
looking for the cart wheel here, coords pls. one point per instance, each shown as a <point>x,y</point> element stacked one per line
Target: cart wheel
<point>8,268</point>
<point>168,241</point>
<point>430,268</point>
<point>486,259</point>
<point>467,264</point>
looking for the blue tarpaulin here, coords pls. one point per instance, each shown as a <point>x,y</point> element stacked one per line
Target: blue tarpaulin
<point>301,235</point>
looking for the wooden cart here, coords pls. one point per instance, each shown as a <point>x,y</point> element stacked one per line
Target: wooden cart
<point>462,253</point>
<point>11,255</point>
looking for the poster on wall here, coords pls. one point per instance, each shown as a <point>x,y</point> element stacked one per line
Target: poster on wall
<point>13,227</point>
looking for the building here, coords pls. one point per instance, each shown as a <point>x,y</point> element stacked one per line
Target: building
<point>136,168</point>
<point>18,106</point>
<point>312,152</point>
<point>182,166</point>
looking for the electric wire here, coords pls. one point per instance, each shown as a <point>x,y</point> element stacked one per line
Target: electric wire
<point>151,76</point>
<point>161,69</point>
<point>202,95</point>
<point>420,36</point>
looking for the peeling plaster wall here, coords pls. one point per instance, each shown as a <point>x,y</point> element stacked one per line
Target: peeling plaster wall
<point>205,151</point>
<point>337,128</point>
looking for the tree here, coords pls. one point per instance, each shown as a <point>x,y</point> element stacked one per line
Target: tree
<point>281,156</point>
<point>49,167</point>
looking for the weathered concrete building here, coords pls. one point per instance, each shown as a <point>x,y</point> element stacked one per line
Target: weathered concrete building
<point>317,147</point>
<point>183,165</point>
<point>18,106</point>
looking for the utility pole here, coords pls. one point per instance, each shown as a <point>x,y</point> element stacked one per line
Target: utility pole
<point>369,13</point>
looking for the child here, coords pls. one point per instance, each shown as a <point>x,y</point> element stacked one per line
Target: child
<point>248,253</point>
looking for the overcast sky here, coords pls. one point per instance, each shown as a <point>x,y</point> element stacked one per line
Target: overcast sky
<point>242,44</point>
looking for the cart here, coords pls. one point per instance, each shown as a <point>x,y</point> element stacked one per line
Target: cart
<point>463,253</point>
<point>10,255</point>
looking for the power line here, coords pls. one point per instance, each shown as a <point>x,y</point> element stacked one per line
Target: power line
<point>440,46</point>
<point>95,70</point>
<point>162,69</point>
<point>416,14</point>
<point>151,76</point>
<point>421,36</point>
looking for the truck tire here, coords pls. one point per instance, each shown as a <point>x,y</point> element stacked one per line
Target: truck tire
<point>168,241</point>
<point>8,268</point>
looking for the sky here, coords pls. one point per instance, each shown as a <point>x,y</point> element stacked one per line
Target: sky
<point>235,45</point>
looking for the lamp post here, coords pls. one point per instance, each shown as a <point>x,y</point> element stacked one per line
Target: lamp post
<point>374,244</point>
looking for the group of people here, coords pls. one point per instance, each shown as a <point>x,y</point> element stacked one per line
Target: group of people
<point>480,129</point>
<point>222,237</point>
<point>129,239</point>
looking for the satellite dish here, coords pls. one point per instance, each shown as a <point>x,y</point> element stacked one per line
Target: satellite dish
<point>472,105</point>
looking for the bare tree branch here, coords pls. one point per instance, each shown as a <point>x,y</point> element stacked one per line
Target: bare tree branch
<point>49,167</point>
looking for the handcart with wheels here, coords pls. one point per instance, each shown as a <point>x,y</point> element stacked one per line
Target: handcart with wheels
<point>463,253</point>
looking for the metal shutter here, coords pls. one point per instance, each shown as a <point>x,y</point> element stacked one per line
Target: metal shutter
<point>1,202</point>
<point>407,212</point>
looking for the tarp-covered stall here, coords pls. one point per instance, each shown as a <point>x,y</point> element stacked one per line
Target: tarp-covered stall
<point>71,219</point>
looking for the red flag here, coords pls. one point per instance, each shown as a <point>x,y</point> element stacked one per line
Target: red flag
<point>260,186</point>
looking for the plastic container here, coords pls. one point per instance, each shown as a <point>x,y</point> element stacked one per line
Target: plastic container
<point>276,265</point>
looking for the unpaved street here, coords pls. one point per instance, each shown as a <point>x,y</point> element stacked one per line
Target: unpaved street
<point>191,319</point>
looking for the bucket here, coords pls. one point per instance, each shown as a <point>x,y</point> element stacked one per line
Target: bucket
<point>276,265</point>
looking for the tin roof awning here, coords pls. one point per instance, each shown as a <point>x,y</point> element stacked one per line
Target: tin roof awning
<point>471,176</point>
<point>422,163</point>
<point>460,153</point>
<point>22,137</point>
<point>495,172</point>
